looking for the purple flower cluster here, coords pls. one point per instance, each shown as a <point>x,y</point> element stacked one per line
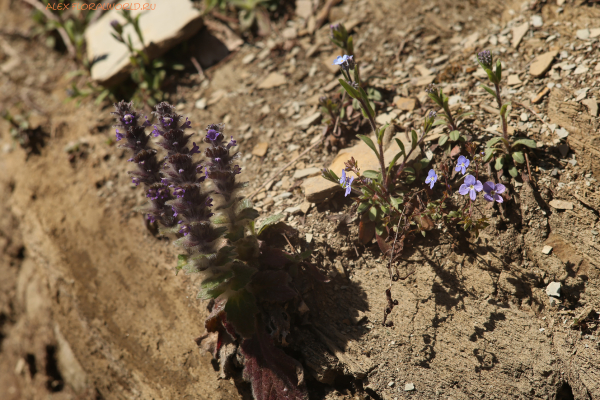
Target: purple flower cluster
<point>220,166</point>
<point>191,206</point>
<point>485,58</point>
<point>133,134</point>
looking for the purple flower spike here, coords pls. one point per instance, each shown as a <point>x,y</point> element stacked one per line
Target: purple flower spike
<point>212,135</point>
<point>127,119</point>
<point>195,149</point>
<point>232,143</point>
<point>485,58</point>
<point>462,164</point>
<point>119,135</point>
<point>431,178</point>
<point>471,186</point>
<point>493,191</point>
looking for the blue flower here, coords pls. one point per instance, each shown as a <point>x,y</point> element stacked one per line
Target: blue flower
<point>340,59</point>
<point>492,191</point>
<point>471,187</point>
<point>462,164</point>
<point>431,178</point>
<point>346,182</point>
<point>119,135</point>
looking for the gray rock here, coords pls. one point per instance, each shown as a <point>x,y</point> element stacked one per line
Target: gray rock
<point>553,289</point>
<point>547,250</point>
<point>171,22</point>
<point>303,173</point>
<point>409,387</point>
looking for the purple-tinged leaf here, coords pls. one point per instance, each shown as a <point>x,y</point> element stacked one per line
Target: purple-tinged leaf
<point>272,286</point>
<point>212,323</point>
<point>273,374</point>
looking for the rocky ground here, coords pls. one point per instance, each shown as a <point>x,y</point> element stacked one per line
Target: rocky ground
<point>90,306</point>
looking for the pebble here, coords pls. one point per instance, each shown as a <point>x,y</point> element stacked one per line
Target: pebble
<point>594,33</point>
<point>391,384</point>
<point>513,80</point>
<point>547,250</point>
<point>562,133</point>
<point>592,106</point>
<point>582,69</point>
<point>518,33</point>
<point>309,237</point>
<point>318,189</point>
<point>542,63</point>
<point>553,289</point>
<point>409,387</point>
<point>524,117</point>
<point>260,149</point>
<point>561,204</point>
<point>274,79</point>
<point>303,173</point>
<point>537,21</point>
<point>308,121</point>
<point>405,103</point>
<point>583,34</point>
<point>292,210</point>
<point>282,196</point>
<point>248,58</point>
<point>541,95</point>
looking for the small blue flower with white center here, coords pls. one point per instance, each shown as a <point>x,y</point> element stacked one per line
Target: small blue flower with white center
<point>431,178</point>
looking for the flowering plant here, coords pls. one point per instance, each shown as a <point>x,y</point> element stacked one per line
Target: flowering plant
<point>249,283</point>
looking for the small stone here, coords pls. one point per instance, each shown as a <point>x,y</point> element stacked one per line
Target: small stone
<point>562,133</point>
<point>304,8</point>
<point>425,80</point>
<point>537,21</point>
<point>309,237</point>
<point>260,149</point>
<point>561,204</point>
<point>524,117</point>
<point>405,103</point>
<point>274,79</point>
<point>317,189</point>
<point>248,58</point>
<point>292,210</point>
<point>594,33</point>
<point>440,59</point>
<point>303,173</point>
<point>284,195</point>
<point>518,34</point>
<point>391,383</point>
<point>592,106</point>
<point>541,95</point>
<point>409,387</point>
<point>200,104</point>
<point>452,100</point>
<point>289,33</point>
<point>583,34</point>
<point>553,289</point>
<point>423,70</point>
<point>514,80</point>
<point>542,63</point>
<point>387,117</point>
<point>582,69</point>
<point>305,206</point>
<point>573,162</point>
<point>547,250</point>
<point>564,149</point>
<point>308,121</point>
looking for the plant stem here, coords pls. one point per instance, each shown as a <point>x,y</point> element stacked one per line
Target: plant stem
<point>379,142</point>
<point>502,117</point>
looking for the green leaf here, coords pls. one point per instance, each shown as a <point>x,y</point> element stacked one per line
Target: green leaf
<point>499,163</point>
<point>213,287</point>
<point>400,145</point>
<point>355,94</point>
<point>365,98</point>
<point>503,110</point>
<point>242,276</point>
<point>439,122</point>
<point>220,219</point>
<point>393,162</point>
<point>498,70</point>
<point>372,174</point>
<point>493,141</point>
<point>442,140</point>
<point>241,309</point>
<point>518,157</point>
<point>525,142</point>
<point>414,139</point>
<point>454,135</point>
<point>396,202</point>
<point>409,170</point>
<point>182,260</point>
<point>373,211</point>
<point>363,207</point>
<point>489,90</point>
<point>268,222</point>
<point>489,153</point>
<point>247,213</point>
<point>369,143</point>
<point>513,171</point>
<point>490,75</point>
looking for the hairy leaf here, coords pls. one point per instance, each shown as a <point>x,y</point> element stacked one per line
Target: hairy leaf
<point>499,163</point>
<point>355,94</point>
<point>240,310</point>
<point>214,286</point>
<point>518,157</point>
<point>513,171</point>
<point>269,221</point>
<point>489,90</point>
<point>272,286</point>
<point>493,141</point>
<point>442,140</point>
<point>273,374</point>
<point>248,213</point>
<point>414,139</point>
<point>454,135</point>
<point>525,142</point>
<point>372,174</point>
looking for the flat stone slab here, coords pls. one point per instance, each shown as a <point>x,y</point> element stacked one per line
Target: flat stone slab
<point>168,24</point>
<point>260,149</point>
<point>273,80</point>
<point>518,34</point>
<point>553,289</point>
<point>542,63</point>
<point>303,173</point>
